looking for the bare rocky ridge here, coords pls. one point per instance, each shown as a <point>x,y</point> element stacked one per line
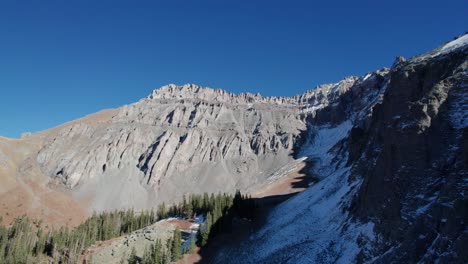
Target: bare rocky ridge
<point>189,139</point>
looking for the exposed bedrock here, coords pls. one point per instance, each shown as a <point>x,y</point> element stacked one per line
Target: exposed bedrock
<point>412,155</point>
<point>188,138</point>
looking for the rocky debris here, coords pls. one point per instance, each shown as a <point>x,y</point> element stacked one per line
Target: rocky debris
<point>118,249</point>
<point>114,250</point>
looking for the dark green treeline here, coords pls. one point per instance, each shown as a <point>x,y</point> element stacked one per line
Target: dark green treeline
<point>27,241</point>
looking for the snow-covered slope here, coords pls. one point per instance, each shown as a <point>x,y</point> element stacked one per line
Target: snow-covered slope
<point>392,176</point>
<point>316,228</point>
<point>453,45</point>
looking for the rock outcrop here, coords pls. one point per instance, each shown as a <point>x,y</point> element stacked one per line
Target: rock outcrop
<point>118,249</point>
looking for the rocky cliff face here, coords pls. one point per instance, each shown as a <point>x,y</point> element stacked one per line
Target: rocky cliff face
<point>412,157</point>
<point>192,139</point>
<point>392,176</point>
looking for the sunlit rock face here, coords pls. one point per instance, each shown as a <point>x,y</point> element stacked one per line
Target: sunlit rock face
<point>190,138</point>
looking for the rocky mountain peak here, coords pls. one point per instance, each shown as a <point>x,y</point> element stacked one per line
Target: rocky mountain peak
<point>319,95</point>
<point>193,91</point>
<point>183,134</point>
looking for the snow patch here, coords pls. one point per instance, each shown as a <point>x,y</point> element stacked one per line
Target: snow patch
<point>459,113</point>
<point>366,77</point>
<point>455,44</point>
<point>322,140</point>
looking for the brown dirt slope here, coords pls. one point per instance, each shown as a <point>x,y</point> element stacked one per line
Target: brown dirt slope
<point>24,190</point>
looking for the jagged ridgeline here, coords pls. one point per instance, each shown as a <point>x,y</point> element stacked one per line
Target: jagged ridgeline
<point>387,152</point>
<point>190,139</point>
<point>30,241</point>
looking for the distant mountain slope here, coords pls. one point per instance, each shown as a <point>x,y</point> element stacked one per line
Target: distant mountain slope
<point>394,179</point>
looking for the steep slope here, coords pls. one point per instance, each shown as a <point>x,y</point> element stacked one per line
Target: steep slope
<point>393,177</point>
<point>413,159</point>
<point>182,139</point>
<point>189,139</point>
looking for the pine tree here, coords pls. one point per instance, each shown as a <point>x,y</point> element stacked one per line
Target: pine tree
<point>147,259</point>
<point>156,251</point>
<point>176,241</point>
<point>192,245</point>
<point>26,241</point>
<point>206,202</point>
<point>188,211</point>
<point>169,248</point>
<point>165,259</point>
<point>207,229</point>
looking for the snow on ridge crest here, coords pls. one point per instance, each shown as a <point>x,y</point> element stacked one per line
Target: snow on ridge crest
<point>455,44</point>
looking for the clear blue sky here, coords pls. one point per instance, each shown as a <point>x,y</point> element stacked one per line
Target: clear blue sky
<point>60,60</point>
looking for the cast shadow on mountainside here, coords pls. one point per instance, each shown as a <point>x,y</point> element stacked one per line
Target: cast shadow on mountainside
<point>223,245</point>
<point>422,163</point>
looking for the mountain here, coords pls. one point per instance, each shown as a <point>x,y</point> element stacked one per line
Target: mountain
<point>188,139</point>
<point>393,179</point>
<point>388,152</point>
